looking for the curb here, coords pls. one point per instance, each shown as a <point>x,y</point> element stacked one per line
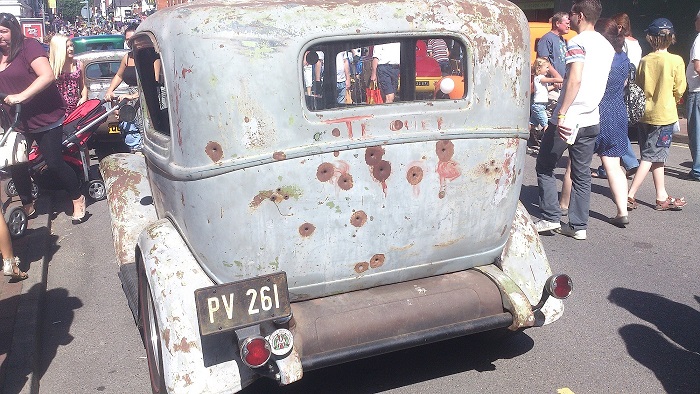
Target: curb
<point>24,358</point>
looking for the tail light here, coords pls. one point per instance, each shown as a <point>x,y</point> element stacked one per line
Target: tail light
<point>557,286</point>
<point>255,351</point>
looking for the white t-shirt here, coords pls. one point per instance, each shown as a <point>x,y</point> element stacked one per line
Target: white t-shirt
<point>541,91</point>
<point>690,75</point>
<point>597,54</point>
<point>388,53</point>
<point>633,50</point>
<point>340,65</point>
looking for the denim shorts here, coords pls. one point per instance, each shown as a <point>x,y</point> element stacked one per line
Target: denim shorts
<point>388,78</point>
<point>654,142</point>
<point>538,115</point>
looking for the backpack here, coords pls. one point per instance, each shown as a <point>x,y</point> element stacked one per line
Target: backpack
<point>634,98</point>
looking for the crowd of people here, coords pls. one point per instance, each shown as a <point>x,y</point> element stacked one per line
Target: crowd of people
<point>48,86</point>
<point>590,113</point>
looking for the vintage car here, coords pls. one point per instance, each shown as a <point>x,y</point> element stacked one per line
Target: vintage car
<point>264,235</point>
<point>99,67</point>
<point>101,42</point>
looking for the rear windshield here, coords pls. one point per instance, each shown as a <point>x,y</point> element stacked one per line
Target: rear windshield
<point>355,73</point>
<point>102,46</point>
<point>102,70</point>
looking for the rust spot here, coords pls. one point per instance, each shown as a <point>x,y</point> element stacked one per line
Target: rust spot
<point>246,119</point>
<point>345,181</point>
<point>382,171</point>
<point>180,274</point>
<point>336,153</point>
<point>279,156</point>
<point>445,149</point>
<point>373,155</point>
<point>186,71</point>
<point>325,171</point>
<point>358,219</point>
<point>441,195</point>
<point>376,261</point>
<point>336,132</point>
<point>361,267</point>
<point>188,380</point>
<point>183,346</point>
<point>214,151</point>
<point>166,337</point>
<point>306,229</point>
<point>396,125</point>
<point>414,175</point>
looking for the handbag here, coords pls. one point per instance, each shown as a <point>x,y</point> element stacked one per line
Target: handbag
<point>13,148</point>
<point>634,98</point>
<point>348,96</point>
<point>374,95</point>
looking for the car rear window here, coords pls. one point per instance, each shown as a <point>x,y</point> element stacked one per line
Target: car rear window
<point>338,74</point>
<point>102,70</point>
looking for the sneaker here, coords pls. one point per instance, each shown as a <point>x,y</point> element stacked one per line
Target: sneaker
<point>570,232</point>
<point>544,226</point>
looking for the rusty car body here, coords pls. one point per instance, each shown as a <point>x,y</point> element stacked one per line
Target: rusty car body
<point>265,234</point>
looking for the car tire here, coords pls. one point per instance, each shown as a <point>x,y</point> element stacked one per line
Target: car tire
<point>96,190</point>
<point>16,220</point>
<point>148,321</point>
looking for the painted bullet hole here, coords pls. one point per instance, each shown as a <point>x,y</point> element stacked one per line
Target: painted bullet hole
<point>345,181</point>
<point>358,219</point>
<point>279,156</point>
<point>373,155</point>
<point>214,151</point>
<point>376,261</point>
<point>382,171</point>
<point>361,267</point>
<point>445,149</point>
<point>324,173</point>
<point>414,175</point>
<point>396,125</point>
<point>335,132</point>
<point>306,229</point>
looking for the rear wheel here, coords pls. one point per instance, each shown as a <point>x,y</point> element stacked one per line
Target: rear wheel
<point>11,190</point>
<point>151,338</point>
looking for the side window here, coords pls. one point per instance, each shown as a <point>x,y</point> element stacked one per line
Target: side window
<point>102,70</point>
<point>358,73</point>
<point>150,70</point>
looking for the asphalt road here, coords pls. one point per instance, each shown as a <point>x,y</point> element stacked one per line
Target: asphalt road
<point>631,325</point>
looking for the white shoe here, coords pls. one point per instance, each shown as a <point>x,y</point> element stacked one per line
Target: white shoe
<point>570,232</point>
<point>544,226</point>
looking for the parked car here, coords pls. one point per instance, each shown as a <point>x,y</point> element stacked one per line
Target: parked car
<point>99,67</point>
<point>101,42</point>
<point>261,234</point>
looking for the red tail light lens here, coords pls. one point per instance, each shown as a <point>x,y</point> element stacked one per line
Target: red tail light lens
<point>560,286</point>
<point>255,352</point>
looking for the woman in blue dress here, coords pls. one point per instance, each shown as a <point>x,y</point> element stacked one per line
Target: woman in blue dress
<point>611,143</point>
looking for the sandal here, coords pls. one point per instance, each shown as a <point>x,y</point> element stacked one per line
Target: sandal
<point>631,203</point>
<point>10,267</point>
<point>670,204</point>
<point>30,210</point>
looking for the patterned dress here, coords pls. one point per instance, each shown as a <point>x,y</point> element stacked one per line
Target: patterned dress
<point>612,140</point>
<point>69,86</point>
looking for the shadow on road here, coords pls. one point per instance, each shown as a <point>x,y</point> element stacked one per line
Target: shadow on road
<point>672,350</point>
<point>477,352</point>
<point>59,312</point>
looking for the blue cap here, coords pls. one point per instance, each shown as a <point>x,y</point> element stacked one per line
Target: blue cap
<point>660,27</point>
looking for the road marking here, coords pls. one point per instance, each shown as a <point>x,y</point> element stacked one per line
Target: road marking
<point>565,390</point>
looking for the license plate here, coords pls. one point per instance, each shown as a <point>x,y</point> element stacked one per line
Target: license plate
<point>244,303</point>
<point>113,128</point>
<point>422,83</point>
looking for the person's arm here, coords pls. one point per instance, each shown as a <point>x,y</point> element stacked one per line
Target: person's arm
<point>375,63</point>
<point>696,66</point>
<point>572,86</point>
<point>44,78</point>
<point>346,67</point>
<point>117,79</point>
<point>679,83</point>
<point>83,86</point>
<point>555,74</point>
<point>556,79</point>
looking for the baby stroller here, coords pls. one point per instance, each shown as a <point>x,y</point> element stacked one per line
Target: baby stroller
<point>78,127</point>
<point>15,216</point>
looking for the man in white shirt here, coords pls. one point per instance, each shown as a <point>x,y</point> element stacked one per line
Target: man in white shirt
<point>385,69</point>
<point>588,59</point>
<point>692,75</point>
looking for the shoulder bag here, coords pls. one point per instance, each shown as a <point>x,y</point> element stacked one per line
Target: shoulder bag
<point>634,98</point>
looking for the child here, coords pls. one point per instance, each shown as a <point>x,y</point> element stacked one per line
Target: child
<point>541,85</point>
<point>662,77</point>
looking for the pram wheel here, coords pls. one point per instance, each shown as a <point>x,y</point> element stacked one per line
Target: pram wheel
<point>11,190</point>
<point>96,190</point>
<point>16,220</point>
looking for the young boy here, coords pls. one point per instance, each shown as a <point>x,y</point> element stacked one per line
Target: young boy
<point>662,77</point>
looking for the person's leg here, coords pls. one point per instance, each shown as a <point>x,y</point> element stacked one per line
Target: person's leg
<point>629,159</point>
<point>551,149</point>
<point>580,156</point>
<point>10,263</point>
<point>340,89</point>
<point>642,171</point>
<point>50,147</point>
<point>565,198</point>
<point>694,133</point>
<point>618,183</point>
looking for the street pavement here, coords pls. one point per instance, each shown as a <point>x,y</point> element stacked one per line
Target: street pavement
<point>22,301</point>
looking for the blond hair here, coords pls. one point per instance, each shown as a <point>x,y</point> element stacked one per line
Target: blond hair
<point>538,64</point>
<point>57,53</point>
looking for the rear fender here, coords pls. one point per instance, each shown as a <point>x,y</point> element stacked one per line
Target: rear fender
<point>524,269</point>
